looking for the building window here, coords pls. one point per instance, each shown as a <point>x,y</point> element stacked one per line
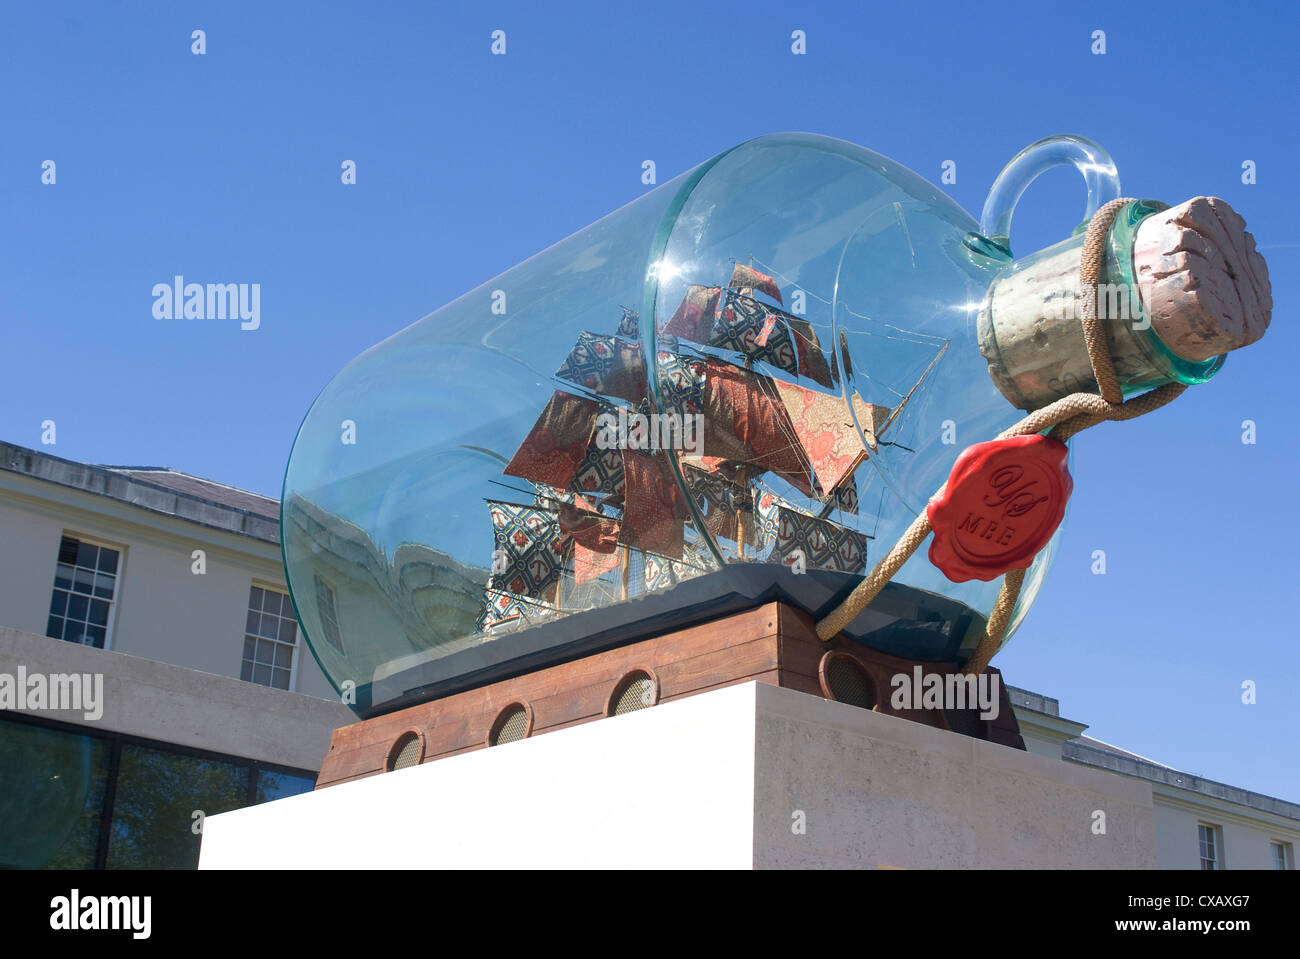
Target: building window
<point>85,589</point>
<point>1209,836</point>
<point>74,799</point>
<point>270,639</point>
<point>329,617</point>
<point>1282,856</point>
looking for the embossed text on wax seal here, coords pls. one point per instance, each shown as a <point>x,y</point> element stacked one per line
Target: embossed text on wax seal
<point>1003,502</point>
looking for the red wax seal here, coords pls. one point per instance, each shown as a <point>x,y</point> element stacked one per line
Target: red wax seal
<point>1003,502</point>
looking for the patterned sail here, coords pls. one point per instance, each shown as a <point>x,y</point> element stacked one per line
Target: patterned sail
<point>530,550</point>
<point>746,277</point>
<point>726,506</point>
<point>654,511</point>
<point>826,432</point>
<point>746,422</point>
<point>606,365</point>
<point>599,502</point>
<point>500,608</point>
<point>693,319</point>
<point>796,535</point>
<point>558,442</point>
<point>772,336</point>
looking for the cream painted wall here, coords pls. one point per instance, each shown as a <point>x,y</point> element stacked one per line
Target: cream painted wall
<point>164,611</point>
<point>27,564</point>
<point>1244,845</point>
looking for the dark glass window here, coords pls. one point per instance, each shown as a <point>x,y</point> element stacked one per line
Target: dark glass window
<point>51,797</point>
<point>55,785</point>
<point>85,588</point>
<point>158,794</point>
<point>273,785</point>
<point>1208,836</point>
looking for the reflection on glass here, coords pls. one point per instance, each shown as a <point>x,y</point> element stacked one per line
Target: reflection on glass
<point>157,796</point>
<point>51,797</point>
<point>273,785</point>
<point>784,312</point>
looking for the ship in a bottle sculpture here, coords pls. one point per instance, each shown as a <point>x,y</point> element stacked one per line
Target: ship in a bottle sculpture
<point>738,390</point>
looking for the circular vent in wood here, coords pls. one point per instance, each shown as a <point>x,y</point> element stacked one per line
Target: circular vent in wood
<point>637,690</point>
<point>511,725</point>
<point>844,680</point>
<point>405,752</point>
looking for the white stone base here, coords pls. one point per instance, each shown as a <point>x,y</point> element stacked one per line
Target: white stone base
<point>719,780</point>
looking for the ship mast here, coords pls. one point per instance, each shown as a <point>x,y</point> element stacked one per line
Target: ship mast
<point>893,414</point>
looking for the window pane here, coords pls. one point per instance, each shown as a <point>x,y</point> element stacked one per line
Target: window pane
<point>153,809</point>
<point>250,624</point>
<point>324,598</point>
<point>283,656</point>
<point>246,671</point>
<point>95,636</point>
<point>272,785</point>
<point>288,631</point>
<point>54,627</point>
<point>78,606</point>
<point>262,674</point>
<point>58,603</point>
<point>68,551</point>
<point>87,555</point>
<point>51,794</point>
<point>82,580</point>
<point>271,604</point>
<point>63,576</point>
<point>255,599</point>
<point>265,652</point>
<point>98,612</point>
<point>104,585</point>
<point>249,645</point>
<point>108,561</point>
<point>280,678</point>
<point>72,630</point>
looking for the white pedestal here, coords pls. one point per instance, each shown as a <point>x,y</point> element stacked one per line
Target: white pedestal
<point>746,776</point>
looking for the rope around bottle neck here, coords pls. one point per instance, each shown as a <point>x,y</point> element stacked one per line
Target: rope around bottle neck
<point>1064,418</point>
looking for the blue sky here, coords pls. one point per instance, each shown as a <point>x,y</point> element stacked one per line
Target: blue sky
<point>227,166</point>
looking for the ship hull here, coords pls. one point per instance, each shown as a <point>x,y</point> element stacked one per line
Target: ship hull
<point>904,622</point>
<point>773,643</point>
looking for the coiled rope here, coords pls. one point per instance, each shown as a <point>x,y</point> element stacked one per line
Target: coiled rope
<point>1064,418</point>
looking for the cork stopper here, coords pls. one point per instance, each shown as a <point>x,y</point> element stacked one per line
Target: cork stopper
<point>1203,285</point>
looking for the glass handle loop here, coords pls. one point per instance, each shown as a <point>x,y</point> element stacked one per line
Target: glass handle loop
<point>1086,156</point>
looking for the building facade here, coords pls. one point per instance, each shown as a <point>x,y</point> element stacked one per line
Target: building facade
<point>151,667</point>
<point>153,673</point>
<point>1198,823</point>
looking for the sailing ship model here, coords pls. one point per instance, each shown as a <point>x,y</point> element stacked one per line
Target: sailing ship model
<point>608,519</point>
<point>625,574</point>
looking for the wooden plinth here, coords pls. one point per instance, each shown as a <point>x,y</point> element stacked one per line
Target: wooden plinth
<point>774,643</point>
